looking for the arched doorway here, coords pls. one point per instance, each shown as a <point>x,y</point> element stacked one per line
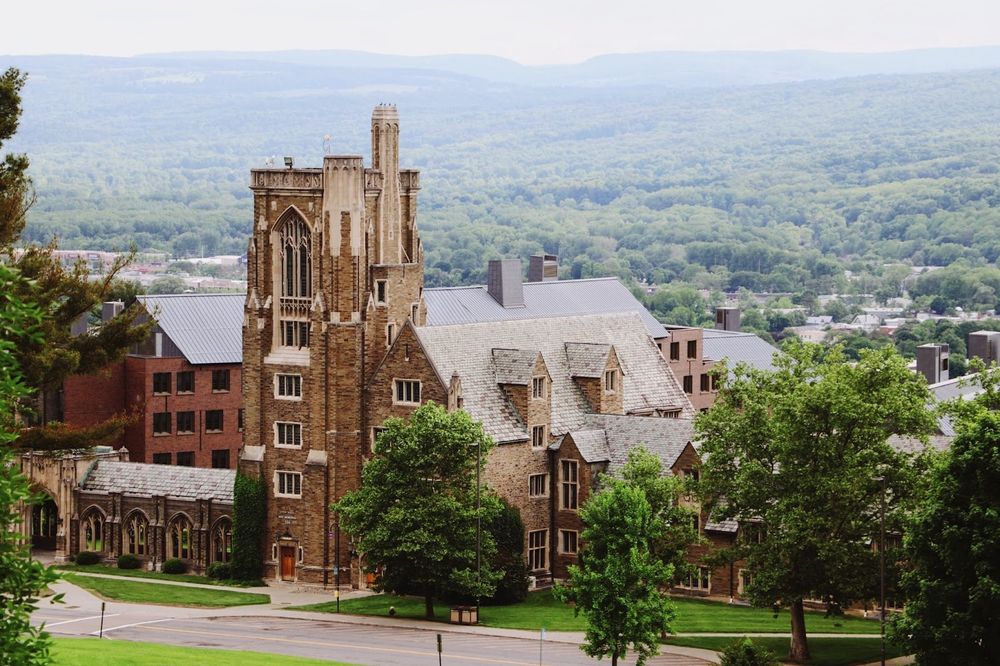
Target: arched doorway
<point>44,523</point>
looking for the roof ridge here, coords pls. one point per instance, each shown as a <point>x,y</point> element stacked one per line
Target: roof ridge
<point>495,323</point>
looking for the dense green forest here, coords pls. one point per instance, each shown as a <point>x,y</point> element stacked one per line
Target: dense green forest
<point>778,188</point>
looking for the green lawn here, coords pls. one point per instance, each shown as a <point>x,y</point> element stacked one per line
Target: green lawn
<point>825,651</point>
<point>142,573</point>
<point>170,595</point>
<point>542,610</point>
<point>94,652</point>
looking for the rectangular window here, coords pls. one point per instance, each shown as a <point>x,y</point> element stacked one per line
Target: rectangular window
<point>288,387</point>
<point>380,292</point>
<point>692,349</point>
<point>414,310</point>
<point>288,484</point>
<point>538,556</point>
<point>161,383</point>
<point>407,392</point>
<point>288,434</point>
<point>715,383</point>
<point>538,437</point>
<point>294,333</point>
<point>239,419</point>
<point>696,522</point>
<point>220,380</point>
<point>611,381</point>
<point>698,580</point>
<point>569,485</point>
<point>220,458</point>
<point>390,334</point>
<point>706,384</point>
<point>185,423</point>
<point>538,485</point>
<point>692,473</point>
<point>675,351</point>
<point>185,458</point>
<point>746,580</point>
<point>161,423</point>
<point>688,384</point>
<point>538,387</point>
<point>376,431</point>
<point>161,458</point>
<point>185,382</point>
<point>568,541</point>
<point>213,420</point>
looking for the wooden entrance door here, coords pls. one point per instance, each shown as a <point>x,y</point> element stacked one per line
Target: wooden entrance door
<point>287,563</point>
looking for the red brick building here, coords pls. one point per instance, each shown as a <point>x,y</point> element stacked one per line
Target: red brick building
<point>182,386</point>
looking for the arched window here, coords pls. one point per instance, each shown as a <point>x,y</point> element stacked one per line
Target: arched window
<point>136,532</point>
<point>92,531</point>
<point>296,279</point>
<point>179,538</point>
<point>222,540</point>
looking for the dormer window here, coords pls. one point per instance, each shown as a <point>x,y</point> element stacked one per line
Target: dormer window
<point>538,388</point>
<point>610,381</point>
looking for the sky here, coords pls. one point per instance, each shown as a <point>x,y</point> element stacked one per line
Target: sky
<point>528,31</point>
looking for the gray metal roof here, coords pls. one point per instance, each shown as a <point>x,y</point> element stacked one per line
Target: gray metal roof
<point>556,298</point>
<point>737,347</point>
<point>206,328</point>
<point>648,383</point>
<point>144,480</point>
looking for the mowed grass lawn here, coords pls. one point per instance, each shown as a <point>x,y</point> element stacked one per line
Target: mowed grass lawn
<point>156,575</point>
<point>542,609</point>
<point>825,651</point>
<point>169,595</point>
<point>94,652</point>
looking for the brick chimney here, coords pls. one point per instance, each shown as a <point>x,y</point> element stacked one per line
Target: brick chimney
<point>932,362</point>
<point>503,282</point>
<point>985,345</point>
<point>727,318</point>
<point>543,268</point>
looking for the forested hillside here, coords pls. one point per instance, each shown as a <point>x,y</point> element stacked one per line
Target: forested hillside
<point>771,187</point>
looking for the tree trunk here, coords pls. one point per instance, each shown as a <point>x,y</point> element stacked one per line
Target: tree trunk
<point>428,606</point>
<point>799,650</point>
<point>614,659</point>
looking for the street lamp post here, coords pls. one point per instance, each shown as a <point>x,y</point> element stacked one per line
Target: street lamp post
<point>881,557</point>
<point>336,557</point>
<point>479,527</point>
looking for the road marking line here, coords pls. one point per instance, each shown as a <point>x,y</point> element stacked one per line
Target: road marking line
<point>134,624</point>
<point>79,619</point>
<point>331,644</point>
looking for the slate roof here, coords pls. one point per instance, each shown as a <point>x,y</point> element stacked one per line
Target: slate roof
<point>663,437</point>
<point>447,306</point>
<point>514,366</point>
<point>168,480</point>
<point>592,445</point>
<point>587,360</point>
<point>648,382</point>
<point>738,347</point>
<point>206,328</point>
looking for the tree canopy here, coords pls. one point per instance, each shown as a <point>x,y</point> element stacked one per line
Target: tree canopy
<point>795,453</point>
<point>414,516</point>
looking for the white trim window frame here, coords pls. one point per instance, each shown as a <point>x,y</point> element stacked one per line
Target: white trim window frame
<point>569,484</point>
<point>287,386</point>
<point>406,392</point>
<point>538,437</point>
<point>288,434</point>
<point>538,550</point>
<point>569,542</point>
<point>287,483</point>
<point>611,381</point>
<point>538,486</point>
<point>538,386</point>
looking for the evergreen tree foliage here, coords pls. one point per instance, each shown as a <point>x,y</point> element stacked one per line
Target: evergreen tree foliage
<point>797,452</point>
<point>617,584</point>
<point>414,516</point>
<point>249,519</point>
<point>22,579</point>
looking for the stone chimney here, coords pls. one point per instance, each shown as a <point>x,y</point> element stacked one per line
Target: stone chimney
<point>932,362</point>
<point>727,318</point>
<point>503,282</point>
<point>543,268</point>
<point>985,345</point>
<point>111,309</point>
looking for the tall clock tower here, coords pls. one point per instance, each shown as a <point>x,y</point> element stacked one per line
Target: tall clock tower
<point>335,268</point>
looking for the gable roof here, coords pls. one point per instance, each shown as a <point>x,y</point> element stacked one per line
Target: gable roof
<point>648,383</point>
<point>587,359</point>
<point>737,347</point>
<point>144,480</point>
<point>514,366</point>
<point>665,438</point>
<point>447,306</point>
<point>206,328</point>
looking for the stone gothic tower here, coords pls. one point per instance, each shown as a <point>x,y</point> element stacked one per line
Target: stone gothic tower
<point>335,268</point>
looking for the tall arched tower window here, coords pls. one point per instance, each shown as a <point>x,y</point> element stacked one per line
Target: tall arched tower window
<point>296,279</point>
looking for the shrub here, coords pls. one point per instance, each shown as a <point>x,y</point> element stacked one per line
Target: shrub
<point>220,570</point>
<point>128,561</point>
<point>745,652</point>
<point>88,557</point>
<point>174,566</point>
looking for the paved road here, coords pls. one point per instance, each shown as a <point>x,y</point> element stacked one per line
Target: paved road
<point>306,637</point>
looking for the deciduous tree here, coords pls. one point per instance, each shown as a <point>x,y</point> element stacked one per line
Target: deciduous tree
<point>799,449</point>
